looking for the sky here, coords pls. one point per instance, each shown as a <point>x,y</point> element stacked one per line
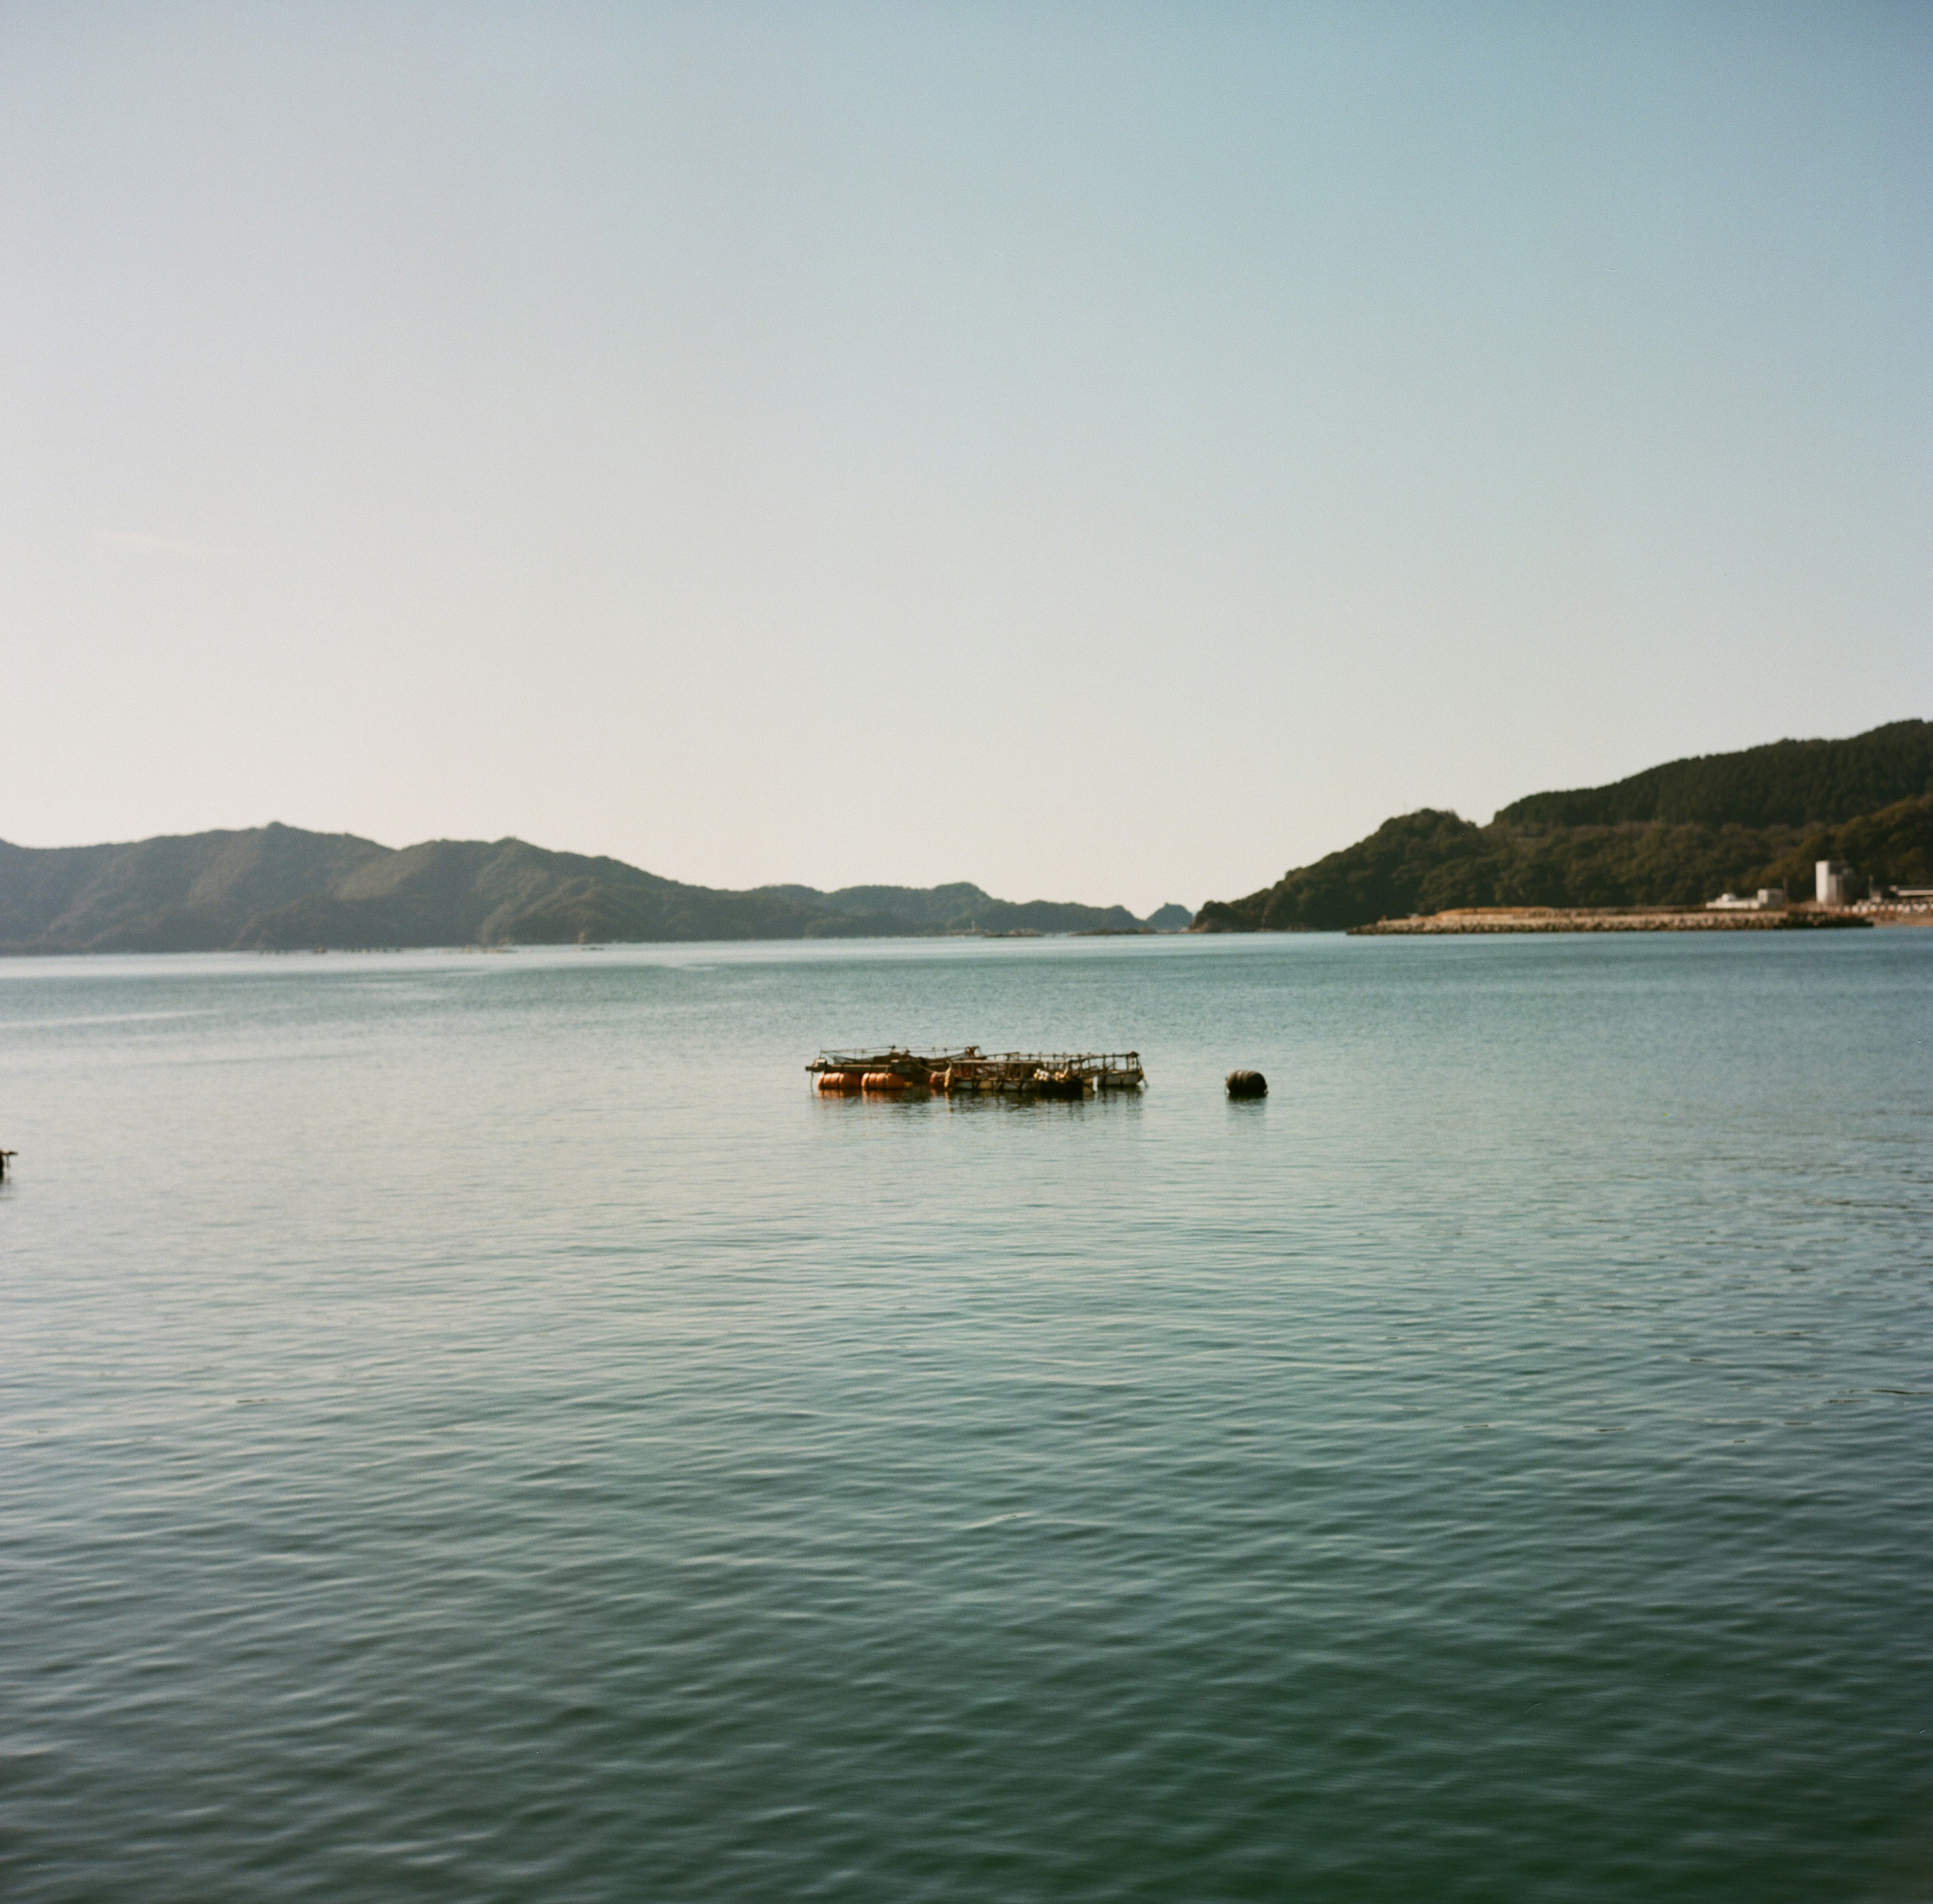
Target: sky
<point>1112,453</point>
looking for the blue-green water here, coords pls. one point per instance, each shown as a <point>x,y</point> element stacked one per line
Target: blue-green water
<point>478,1428</point>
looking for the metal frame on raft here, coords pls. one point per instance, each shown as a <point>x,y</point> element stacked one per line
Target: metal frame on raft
<point>1017,1073</point>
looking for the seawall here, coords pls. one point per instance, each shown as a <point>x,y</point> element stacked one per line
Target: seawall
<point>1554,919</point>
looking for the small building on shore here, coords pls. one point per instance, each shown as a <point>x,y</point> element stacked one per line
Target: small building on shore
<point>1768,899</point>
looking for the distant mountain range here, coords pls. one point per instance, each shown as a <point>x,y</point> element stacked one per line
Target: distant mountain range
<point>279,888</point>
<point>1675,835</point>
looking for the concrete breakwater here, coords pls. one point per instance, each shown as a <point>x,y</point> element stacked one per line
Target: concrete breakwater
<point>1605,919</point>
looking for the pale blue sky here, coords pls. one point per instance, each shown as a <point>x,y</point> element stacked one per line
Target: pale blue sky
<point>1108,453</point>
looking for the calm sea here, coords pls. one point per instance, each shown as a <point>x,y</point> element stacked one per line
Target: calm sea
<point>476,1427</point>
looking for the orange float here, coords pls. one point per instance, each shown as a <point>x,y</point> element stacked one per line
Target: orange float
<point>838,1081</point>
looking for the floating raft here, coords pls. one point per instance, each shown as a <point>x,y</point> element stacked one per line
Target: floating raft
<point>1018,1074</point>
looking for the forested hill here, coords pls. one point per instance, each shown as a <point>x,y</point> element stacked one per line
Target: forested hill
<point>1787,783</point>
<point>277,887</point>
<point>1677,835</point>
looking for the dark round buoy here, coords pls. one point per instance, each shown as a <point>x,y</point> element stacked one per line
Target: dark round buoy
<point>1247,1084</point>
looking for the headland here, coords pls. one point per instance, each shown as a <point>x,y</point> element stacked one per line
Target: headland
<point>1850,820</point>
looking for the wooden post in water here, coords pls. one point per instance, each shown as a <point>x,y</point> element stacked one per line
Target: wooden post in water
<point>4,1155</point>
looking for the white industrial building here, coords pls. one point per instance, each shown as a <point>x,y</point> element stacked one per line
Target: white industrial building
<point>1830,876</point>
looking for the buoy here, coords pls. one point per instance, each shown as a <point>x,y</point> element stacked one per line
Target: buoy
<point>1247,1084</point>
<point>886,1081</point>
<point>839,1080</point>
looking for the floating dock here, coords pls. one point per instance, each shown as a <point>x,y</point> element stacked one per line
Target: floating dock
<point>1016,1073</point>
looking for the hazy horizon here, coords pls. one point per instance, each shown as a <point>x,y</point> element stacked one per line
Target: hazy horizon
<point>1103,456</point>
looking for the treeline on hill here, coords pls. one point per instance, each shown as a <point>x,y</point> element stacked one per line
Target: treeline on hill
<point>1678,835</point>
<point>279,888</point>
<point>1789,783</point>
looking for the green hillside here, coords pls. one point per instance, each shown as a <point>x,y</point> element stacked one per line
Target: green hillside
<point>1787,783</point>
<point>961,907</point>
<point>1429,861</point>
<point>182,894</point>
<point>278,888</point>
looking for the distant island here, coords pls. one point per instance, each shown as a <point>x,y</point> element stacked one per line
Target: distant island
<point>1677,835</point>
<point>277,888</point>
